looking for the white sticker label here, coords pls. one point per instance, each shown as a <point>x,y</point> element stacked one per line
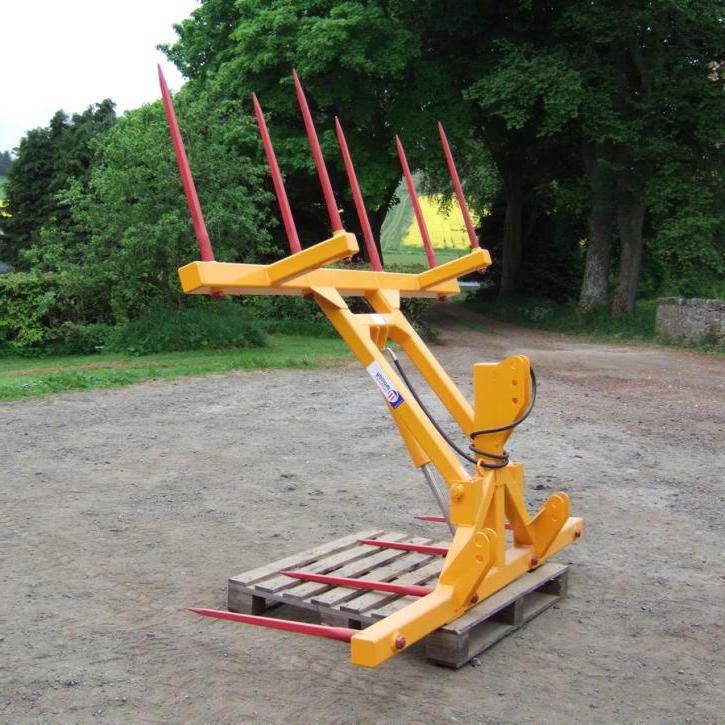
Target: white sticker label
<point>386,387</point>
<point>378,319</point>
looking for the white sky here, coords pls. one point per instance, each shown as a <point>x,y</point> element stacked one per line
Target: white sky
<point>71,53</point>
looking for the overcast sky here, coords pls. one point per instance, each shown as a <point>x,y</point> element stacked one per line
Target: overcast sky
<point>71,53</point>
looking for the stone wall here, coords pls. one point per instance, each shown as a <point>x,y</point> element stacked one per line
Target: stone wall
<point>693,321</point>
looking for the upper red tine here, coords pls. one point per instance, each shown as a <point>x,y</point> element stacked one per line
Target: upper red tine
<point>457,187</point>
<point>332,210</point>
<point>429,253</point>
<point>362,214</point>
<point>279,190</point>
<point>202,237</point>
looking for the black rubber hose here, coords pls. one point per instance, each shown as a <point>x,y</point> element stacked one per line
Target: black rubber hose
<point>503,460</point>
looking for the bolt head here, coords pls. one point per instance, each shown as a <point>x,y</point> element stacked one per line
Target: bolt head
<point>577,534</point>
<point>474,598</point>
<point>534,561</point>
<point>399,641</point>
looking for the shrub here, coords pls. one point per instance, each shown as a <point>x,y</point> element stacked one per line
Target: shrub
<point>225,325</point>
<point>291,315</point>
<point>41,314</point>
<point>75,339</point>
<point>566,318</point>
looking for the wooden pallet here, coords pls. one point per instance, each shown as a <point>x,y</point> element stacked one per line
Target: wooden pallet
<point>479,628</point>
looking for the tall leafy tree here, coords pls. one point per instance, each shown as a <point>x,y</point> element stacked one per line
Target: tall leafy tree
<point>649,107</point>
<point>47,159</point>
<point>6,161</point>
<point>354,59</point>
<point>127,230</point>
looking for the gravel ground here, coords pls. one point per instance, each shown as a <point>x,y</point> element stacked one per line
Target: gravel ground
<point>120,508</point>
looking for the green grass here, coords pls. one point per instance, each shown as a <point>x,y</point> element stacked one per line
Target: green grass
<point>417,258</point>
<point>397,221</point>
<point>598,325</point>
<point>548,315</point>
<point>21,377</point>
<point>2,188</point>
<point>565,318</point>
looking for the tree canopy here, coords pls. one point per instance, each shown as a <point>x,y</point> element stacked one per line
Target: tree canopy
<point>47,159</point>
<point>589,137</point>
<point>128,228</point>
<point>600,123</point>
<point>6,161</point>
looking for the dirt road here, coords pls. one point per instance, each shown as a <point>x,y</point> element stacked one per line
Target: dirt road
<point>120,508</point>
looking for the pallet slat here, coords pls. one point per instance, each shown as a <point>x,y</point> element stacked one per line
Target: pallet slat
<point>303,558</point>
<point>497,616</point>
<point>356,566</point>
<point>426,572</point>
<point>388,567</point>
<point>323,565</point>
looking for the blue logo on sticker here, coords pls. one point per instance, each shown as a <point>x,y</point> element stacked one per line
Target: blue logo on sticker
<point>391,394</point>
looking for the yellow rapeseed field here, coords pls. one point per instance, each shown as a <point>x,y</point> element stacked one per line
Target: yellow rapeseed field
<point>447,231</point>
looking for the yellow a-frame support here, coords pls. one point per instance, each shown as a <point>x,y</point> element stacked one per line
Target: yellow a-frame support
<point>478,562</point>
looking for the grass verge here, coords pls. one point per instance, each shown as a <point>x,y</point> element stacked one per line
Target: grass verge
<point>21,377</point>
<point>556,317</point>
<point>597,325</point>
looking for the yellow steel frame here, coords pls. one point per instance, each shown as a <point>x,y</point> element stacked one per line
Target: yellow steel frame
<point>478,562</point>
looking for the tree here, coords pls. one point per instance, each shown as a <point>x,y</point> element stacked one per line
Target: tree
<point>648,102</point>
<point>47,159</point>
<point>352,57</point>
<point>6,161</point>
<point>392,67</point>
<point>127,230</point>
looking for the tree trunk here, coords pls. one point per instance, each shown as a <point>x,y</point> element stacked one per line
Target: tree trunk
<point>630,220</point>
<point>511,247</point>
<point>595,282</point>
<point>376,219</point>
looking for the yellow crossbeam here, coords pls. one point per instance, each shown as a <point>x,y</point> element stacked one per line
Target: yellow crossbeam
<point>299,273</point>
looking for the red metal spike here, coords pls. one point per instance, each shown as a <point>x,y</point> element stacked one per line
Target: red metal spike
<point>341,581</point>
<point>319,630</point>
<point>362,214</point>
<point>332,210</point>
<point>429,253</point>
<point>457,186</point>
<point>279,190</point>
<point>420,548</point>
<point>202,237</point>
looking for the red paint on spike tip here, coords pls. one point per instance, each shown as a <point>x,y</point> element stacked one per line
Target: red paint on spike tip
<point>457,187</point>
<point>319,630</point>
<point>429,253</point>
<point>279,190</point>
<point>332,210</point>
<point>202,237</point>
<point>362,214</point>
<point>420,548</point>
<point>413,590</point>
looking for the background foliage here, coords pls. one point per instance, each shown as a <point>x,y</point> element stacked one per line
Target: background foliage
<point>590,138</point>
